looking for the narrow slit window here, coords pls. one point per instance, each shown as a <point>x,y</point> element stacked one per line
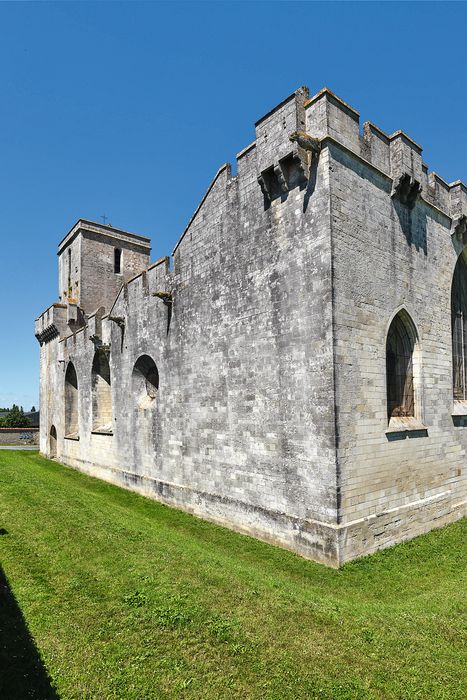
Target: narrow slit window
<point>69,272</point>
<point>459,329</point>
<point>117,261</point>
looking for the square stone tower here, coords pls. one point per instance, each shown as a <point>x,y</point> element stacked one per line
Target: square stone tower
<point>93,262</point>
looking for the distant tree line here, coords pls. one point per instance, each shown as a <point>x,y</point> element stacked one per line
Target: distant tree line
<point>15,418</point>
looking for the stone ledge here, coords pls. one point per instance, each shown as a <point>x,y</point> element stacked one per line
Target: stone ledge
<point>325,140</point>
<point>405,424</point>
<point>396,525</point>
<point>460,408</point>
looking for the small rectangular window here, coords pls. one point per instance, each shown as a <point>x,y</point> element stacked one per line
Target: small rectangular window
<point>117,261</point>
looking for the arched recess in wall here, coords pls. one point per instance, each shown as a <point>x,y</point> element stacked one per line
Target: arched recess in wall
<point>401,367</point>
<point>101,394</point>
<point>52,441</point>
<point>145,382</point>
<point>144,390</point>
<point>71,402</point>
<point>459,328</point>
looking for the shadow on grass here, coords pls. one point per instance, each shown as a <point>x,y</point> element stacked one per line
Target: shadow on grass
<point>22,672</point>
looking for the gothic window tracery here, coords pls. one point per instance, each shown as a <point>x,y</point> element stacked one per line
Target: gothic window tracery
<point>400,346</point>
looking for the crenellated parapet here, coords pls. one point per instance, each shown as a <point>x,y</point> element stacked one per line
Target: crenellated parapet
<point>405,157</point>
<point>284,150</point>
<point>290,137</point>
<point>58,321</point>
<point>329,116</point>
<point>286,153</point>
<point>458,201</point>
<point>51,324</point>
<point>396,155</point>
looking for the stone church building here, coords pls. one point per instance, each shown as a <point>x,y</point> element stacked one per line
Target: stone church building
<point>298,370</point>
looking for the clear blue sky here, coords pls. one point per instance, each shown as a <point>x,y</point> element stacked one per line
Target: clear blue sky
<point>128,109</point>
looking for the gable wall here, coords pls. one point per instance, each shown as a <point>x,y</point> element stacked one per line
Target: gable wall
<point>242,431</point>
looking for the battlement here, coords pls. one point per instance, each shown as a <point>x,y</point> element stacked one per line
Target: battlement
<point>289,136</point>
<point>286,152</point>
<point>51,323</point>
<point>96,259</point>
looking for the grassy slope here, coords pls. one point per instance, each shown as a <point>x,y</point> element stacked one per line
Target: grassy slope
<point>126,598</point>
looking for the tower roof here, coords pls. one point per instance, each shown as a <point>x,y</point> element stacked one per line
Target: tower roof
<point>83,225</point>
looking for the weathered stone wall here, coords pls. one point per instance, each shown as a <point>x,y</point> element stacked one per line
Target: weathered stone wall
<point>87,253</point>
<point>242,429</point>
<point>388,256</point>
<point>267,410</point>
<point>69,272</point>
<point>19,436</point>
<point>100,284</point>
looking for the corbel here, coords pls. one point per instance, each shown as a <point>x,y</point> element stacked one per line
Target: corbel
<point>303,168</point>
<point>99,345</point>
<point>166,297</point>
<point>119,320</point>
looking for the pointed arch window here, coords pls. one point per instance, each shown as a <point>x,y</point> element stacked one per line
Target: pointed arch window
<point>400,345</point>
<point>53,442</point>
<point>459,328</point>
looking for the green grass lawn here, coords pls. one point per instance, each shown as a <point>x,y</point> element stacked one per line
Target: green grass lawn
<point>106,594</point>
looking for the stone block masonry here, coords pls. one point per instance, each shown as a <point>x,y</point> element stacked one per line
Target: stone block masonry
<point>19,436</point>
<point>250,383</point>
